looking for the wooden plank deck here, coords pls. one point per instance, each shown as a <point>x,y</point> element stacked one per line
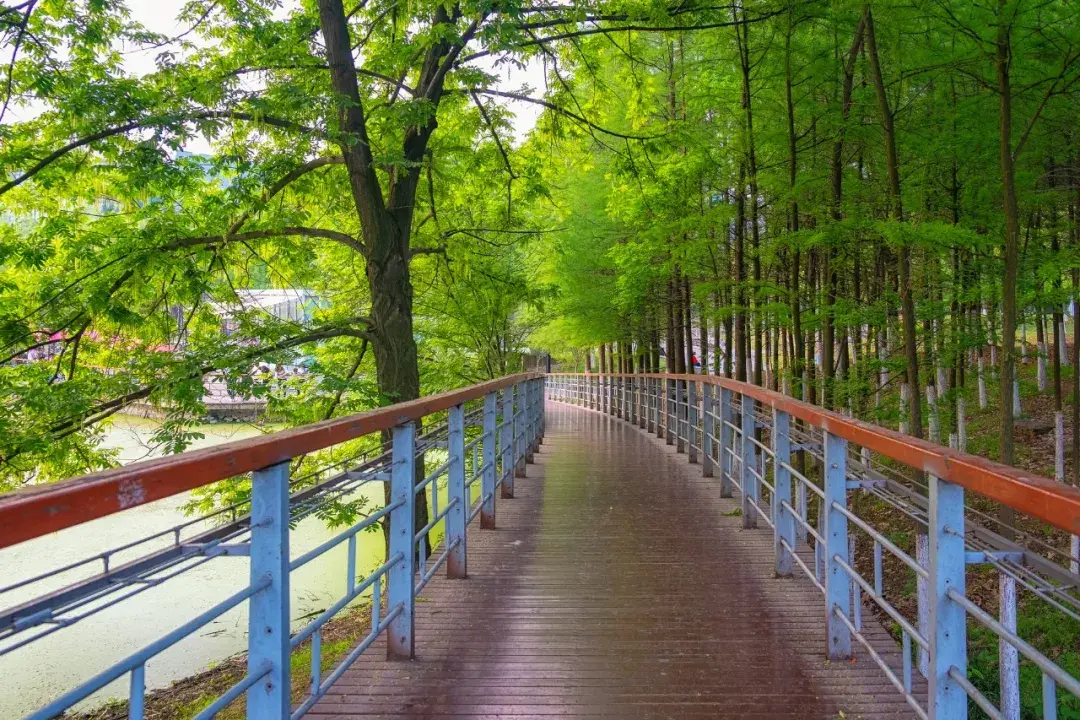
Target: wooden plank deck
<point>618,585</point>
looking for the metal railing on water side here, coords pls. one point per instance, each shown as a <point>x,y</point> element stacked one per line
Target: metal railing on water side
<point>721,423</point>
<point>508,414</point>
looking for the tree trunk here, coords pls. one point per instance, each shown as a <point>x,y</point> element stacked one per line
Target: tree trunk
<point>896,212</point>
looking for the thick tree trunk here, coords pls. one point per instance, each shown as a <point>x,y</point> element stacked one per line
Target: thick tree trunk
<point>1012,244</point>
<point>740,298</point>
<point>907,300</point>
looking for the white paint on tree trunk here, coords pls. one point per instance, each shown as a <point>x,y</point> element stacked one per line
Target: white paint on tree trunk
<point>805,385</point>
<point>904,408</point>
<point>982,385</point>
<point>1017,409</point>
<point>1041,373</point>
<point>1063,352</point>
<point>1009,664</point>
<point>941,380</point>
<point>1059,446</point>
<point>961,424</point>
<point>931,403</point>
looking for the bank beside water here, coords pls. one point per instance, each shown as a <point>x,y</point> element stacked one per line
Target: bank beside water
<point>38,673</point>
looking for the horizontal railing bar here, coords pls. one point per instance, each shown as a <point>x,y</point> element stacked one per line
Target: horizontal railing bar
<point>139,658</point>
<point>973,692</point>
<point>882,603</point>
<point>343,536</point>
<point>435,520</point>
<point>804,480</point>
<point>1040,497</point>
<point>806,570</point>
<point>35,511</point>
<point>903,556</point>
<point>876,657</point>
<point>347,662</point>
<point>1044,663</point>
<point>234,692</point>
<point>799,519</point>
<point>329,612</point>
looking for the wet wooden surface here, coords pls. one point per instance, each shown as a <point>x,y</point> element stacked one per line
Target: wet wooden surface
<point>618,585</point>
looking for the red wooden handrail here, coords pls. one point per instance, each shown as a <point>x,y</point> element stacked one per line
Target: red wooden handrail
<point>35,511</point>
<point>1034,495</point>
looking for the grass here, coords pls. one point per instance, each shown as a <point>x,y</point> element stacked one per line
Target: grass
<point>184,699</point>
<point>1046,628</point>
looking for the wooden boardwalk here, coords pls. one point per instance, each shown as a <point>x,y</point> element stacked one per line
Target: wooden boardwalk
<point>618,585</point>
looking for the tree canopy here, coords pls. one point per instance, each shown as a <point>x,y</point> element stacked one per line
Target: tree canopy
<point>832,198</point>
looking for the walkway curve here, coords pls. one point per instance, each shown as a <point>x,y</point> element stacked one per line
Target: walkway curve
<point>618,585</point>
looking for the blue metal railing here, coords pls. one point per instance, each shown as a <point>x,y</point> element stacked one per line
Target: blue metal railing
<point>748,435</point>
<point>510,425</point>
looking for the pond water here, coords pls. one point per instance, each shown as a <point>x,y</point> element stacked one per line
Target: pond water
<point>40,672</point>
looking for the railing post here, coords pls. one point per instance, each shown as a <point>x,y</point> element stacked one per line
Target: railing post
<point>948,620</point>
<point>782,519</point>
<point>541,417</point>
<point>727,443</point>
<point>669,405</point>
<point>268,615</point>
<point>456,560</point>
<point>692,421</point>
<point>750,492</point>
<point>642,396</point>
<point>681,434</point>
<point>708,429</point>
<point>526,411</point>
<point>657,406</point>
<point>509,448</point>
<point>646,400</point>
<point>399,583</point>
<point>837,581</point>
<point>519,433</point>
<point>487,478</point>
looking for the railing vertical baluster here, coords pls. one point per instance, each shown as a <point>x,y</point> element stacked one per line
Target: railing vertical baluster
<point>268,614</point>
<point>948,619</point>
<point>399,583</point>
<point>654,410</point>
<point>639,406</point>
<point>506,443</point>
<point>669,409</point>
<point>837,581</point>
<point>727,443</point>
<point>458,512</point>
<point>137,693</point>
<point>708,428</point>
<point>350,565</point>
<point>519,434</point>
<point>782,519</point>
<point>1049,697</point>
<point>680,416</point>
<point>750,490</point>
<point>528,420</point>
<point>692,421</point>
<point>316,662</point>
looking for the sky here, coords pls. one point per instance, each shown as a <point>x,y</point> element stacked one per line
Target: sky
<point>160,16</point>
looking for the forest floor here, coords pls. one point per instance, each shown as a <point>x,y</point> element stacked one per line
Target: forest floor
<point>1049,630</point>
